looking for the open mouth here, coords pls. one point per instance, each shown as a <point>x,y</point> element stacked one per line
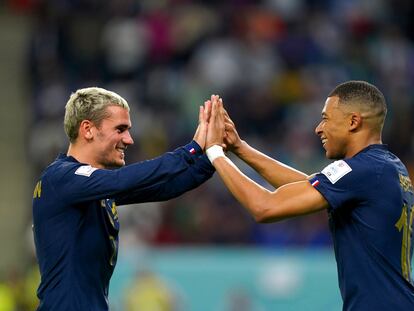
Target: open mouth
<point>121,151</point>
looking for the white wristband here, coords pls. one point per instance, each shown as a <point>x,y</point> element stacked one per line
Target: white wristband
<point>214,152</point>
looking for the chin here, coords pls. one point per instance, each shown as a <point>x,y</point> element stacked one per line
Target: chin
<point>119,164</point>
<point>114,165</point>
<point>333,156</point>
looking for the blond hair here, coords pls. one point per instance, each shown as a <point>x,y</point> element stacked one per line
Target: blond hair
<point>89,104</point>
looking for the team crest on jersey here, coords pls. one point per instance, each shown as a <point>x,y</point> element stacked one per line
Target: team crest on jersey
<point>85,170</point>
<point>336,170</point>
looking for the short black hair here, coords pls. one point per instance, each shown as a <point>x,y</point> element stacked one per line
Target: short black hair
<point>365,95</point>
<point>362,92</point>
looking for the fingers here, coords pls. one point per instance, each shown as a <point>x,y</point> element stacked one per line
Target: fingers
<point>228,125</point>
<point>207,110</point>
<point>227,117</point>
<point>221,109</point>
<point>201,118</point>
<point>215,128</point>
<point>214,109</point>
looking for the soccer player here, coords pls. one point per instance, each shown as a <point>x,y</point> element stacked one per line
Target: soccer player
<point>367,193</point>
<point>75,219</point>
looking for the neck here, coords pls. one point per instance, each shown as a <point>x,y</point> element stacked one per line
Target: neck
<point>81,154</point>
<point>359,144</point>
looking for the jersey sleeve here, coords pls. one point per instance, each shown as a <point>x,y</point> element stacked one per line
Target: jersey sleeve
<point>75,182</point>
<point>342,182</point>
<point>188,179</point>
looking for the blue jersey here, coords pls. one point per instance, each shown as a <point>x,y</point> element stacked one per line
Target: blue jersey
<point>371,214</point>
<point>76,226</point>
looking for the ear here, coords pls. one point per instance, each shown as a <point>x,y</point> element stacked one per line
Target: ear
<point>355,121</point>
<point>86,130</point>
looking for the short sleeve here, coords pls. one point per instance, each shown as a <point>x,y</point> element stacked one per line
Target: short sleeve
<point>341,182</point>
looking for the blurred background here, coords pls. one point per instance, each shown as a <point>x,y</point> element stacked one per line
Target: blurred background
<point>272,61</point>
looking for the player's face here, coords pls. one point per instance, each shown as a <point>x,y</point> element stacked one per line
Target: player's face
<point>333,130</point>
<point>113,138</point>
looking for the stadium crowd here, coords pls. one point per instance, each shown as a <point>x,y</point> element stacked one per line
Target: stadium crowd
<point>272,62</point>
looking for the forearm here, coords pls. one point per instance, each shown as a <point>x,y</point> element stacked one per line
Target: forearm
<point>250,194</point>
<point>275,172</point>
<point>81,183</point>
<point>187,180</point>
<point>167,189</point>
<point>290,200</point>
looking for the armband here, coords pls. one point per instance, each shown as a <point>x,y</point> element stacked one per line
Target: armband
<point>214,152</point>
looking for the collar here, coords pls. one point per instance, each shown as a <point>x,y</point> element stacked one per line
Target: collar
<point>64,157</point>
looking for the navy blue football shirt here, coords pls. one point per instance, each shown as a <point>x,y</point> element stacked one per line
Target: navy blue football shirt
<point>76,225</point>
<point>371,214</point>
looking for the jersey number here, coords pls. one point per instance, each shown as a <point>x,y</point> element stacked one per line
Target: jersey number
<point>114,254</point>
<point>405,224</point>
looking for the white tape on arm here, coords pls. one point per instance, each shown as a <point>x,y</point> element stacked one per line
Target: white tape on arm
<point>214,152</point>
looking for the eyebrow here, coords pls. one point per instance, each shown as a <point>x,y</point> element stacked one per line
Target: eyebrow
<point>123,126</point>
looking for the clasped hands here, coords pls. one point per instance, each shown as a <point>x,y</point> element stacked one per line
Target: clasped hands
<point>215,126</point>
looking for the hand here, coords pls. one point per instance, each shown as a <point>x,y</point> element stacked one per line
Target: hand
<point>216,126</point>
<point>201,132</point>
<point>231,139</point>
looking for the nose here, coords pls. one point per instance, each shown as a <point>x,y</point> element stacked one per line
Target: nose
<point>318,129</point>
<point>127,139</point>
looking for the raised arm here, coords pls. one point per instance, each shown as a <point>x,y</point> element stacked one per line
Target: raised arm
<point>191,177</point>
<point>165,189</point>
<point>292,199</point>
<point>158,179</point>
<point>275,172</point>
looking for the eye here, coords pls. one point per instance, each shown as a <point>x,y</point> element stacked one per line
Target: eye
<point>121,128</point>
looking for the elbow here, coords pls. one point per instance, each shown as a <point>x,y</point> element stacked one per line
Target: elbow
<point>261,205</point>
<point>263,219</point>
<point>260,219</point>
<point>266,213</point>
<point>261,214</point>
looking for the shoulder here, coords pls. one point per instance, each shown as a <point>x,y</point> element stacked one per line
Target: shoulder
<point>353,174</point>
<point>337,170</point>
<point>375,160</point>
<point>352,169</point>
<point>64,168</point>
<point>362,169</point>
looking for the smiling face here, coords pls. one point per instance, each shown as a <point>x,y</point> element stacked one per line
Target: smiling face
<point>111,138</point>
<point>333,130</point>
